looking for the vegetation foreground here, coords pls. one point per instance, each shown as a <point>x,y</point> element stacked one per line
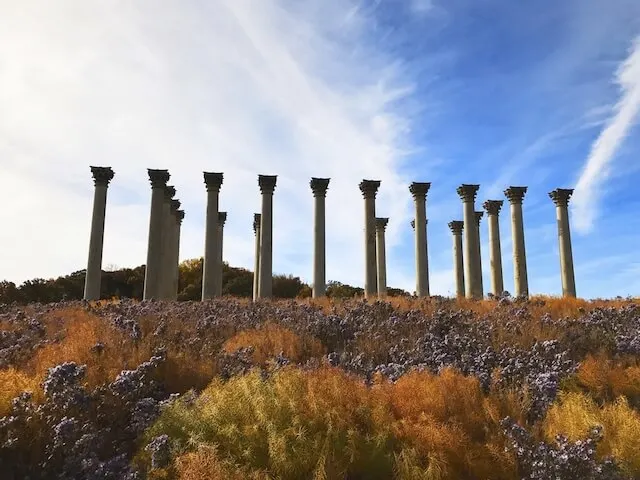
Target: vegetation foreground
<point>409,389</point>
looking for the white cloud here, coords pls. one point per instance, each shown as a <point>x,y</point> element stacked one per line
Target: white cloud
<point>237,86</point>
<point>598,165</point>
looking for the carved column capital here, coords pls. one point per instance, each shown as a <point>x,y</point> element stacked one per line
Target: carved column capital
<point>456,226</point>
<point>479,216</point>
<point>175,206</point>
<point>319,186</point>
<point>493,206</point>
<point>419,190</point>
<point>381,223</point>
<point>561,196</point>
<point>468,192</point>
<point>256,222</point>
<point>222,218</point>
<point>169,193</point>
<point>213,181</point>
<point>179,216</point>
<point>369,188</point>
<point>102,176</point>
<point>515,194</point>
<point>267,183</point>
<point>413,224</point>
<point>158,178</point>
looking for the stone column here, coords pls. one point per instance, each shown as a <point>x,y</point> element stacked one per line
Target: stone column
<point>213,182</point>
<point>319,188</point>
<point>222,218</point>
<point>267,185</point>
<point>381,256</point>
<point>369,189</point>
<point>457,227</point>
<point>164,278</point>
<point>256,265</point>
<point>521,283</point>
<point>492,208</point>
<point>158,179</point>
<point>478,219</point>
<point>472,274</point>
<point>179,217</point>
<point>561,197</point>
<point>170,252</point>
<point>101,178</point>
<point>419,192</point>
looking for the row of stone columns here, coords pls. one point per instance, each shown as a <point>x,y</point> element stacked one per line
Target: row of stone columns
<point>467,260</point>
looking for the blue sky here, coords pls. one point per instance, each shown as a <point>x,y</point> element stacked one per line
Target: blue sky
<point>496,92</point>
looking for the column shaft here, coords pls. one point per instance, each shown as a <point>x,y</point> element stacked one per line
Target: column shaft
<point>381,256</point>
<point>102,176</point>
<point>521,283</point>
<point>267,185</point>
<point>495,253</point>
<point>458,257</point>
<point>319,188</point>
<point>256,265</point>
<point>473,286</point>
<point>419,192</point>
<point>222,218</point>
<point>176,261</point>
<point>213,182</point>
<point>479,255</point>
<point>369,189</point>
<point>561,198</point>
<point>167,246</point>
<point>153,269</point>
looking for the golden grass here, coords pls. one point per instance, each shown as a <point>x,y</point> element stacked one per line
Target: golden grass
<point>606,380</point>
<point>271,339</point>
<point>12,383</point>
<point>575,414</point>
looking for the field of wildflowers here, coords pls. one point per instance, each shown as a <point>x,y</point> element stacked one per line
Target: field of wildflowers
<point>406,389</point>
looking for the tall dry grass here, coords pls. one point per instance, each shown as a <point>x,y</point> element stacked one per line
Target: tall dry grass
<point>12,383</point>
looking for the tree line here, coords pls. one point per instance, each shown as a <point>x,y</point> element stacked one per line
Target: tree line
<point>129,283</point>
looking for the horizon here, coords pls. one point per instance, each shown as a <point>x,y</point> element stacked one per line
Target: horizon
<point>545,96</point>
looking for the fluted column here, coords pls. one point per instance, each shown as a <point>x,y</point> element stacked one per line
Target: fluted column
<point>457,227</point>
<point>222,218</point>
<point>492,208</point>
<point>256,265</point>
<point>213,182</point>
<point>369,189</point>
<point>521,283</point>
<point>479,257</point>
<point>101,178</point>
<point>561,197</point>
<point>267,185</point>
<point>175,288</point>
<point>167,242</point>
<point>319,188</point>
<point>158,179</point>
<point>419,193</point>
<point>472,273</point>
<point>381,256</point>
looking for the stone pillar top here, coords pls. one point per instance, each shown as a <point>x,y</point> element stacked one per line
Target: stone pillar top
<point>179,216</point>
<point>456,226</point>
<point>213,181</point>
<point>319,186</point>
<point>419,189</point>
<point>222,218</point>
<point>369,188</point>
<point>381,223</point>
<point>493,206</point>
<point>169,192</point>
<point>468,192</point>
<point>561,196</point>
<point>158,178</point>
<point>515,194</point>
<point>267,183</point>
<point>413,224</point>
<point>175,206</point>
<point>102,176</point>
<point>256,221</point>
<point>479,216</point>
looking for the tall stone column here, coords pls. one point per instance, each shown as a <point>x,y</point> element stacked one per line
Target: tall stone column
<point>222,218</point>
<point>472,273</point>
<point>170,251</point>
<point>267,185</point>
<point>168,222</point>
<point>478,219</point>
<point>515,196</point>
<point>319,188</point>
<point>213,182</point>
<point>381,256</point>
<point>561,197</point>
<point>457,227</point>
<point>369,189</point>
<point>256,265</point>
<point>179,217</point>
<point>158,179</point>
<point>419,192</point>
<point>101,178</point>
<point>492,208</point>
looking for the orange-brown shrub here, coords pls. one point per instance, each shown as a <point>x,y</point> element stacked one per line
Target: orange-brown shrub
<point>12,383</point>
<point>271,339</point>
<point>206,464</point>
<point>606,380</point>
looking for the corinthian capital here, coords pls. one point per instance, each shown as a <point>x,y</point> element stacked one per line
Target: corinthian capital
<point>468,192</point>
<point>319,186</point>
<point>493,206</point>
<point>369,188</point>
<point>213,181</point>
<point>456,226</point>
<point>419,190</point>
<point>267,183</point>
<point>515,194</point>
<point>102,176</point>
<point>158,178</point>
<point>256,222</point>
<point>479,216</point>
<point>561,196</point>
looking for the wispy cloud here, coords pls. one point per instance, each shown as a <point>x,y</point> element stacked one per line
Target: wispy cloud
<point>598,165</point>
